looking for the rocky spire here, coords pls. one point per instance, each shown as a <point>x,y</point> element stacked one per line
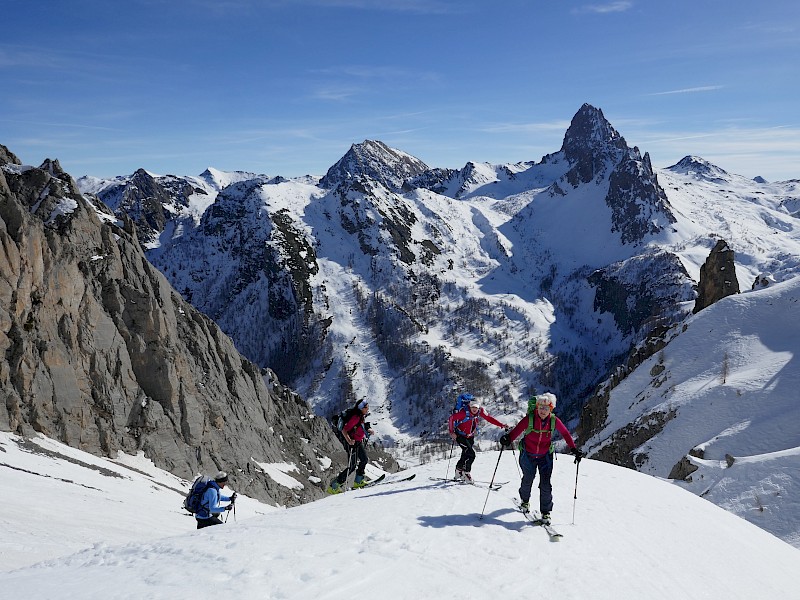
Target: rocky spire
<point>717,277</point>
<point>590,144</point>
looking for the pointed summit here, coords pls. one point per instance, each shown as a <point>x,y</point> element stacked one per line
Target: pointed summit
<point>590,144</point>
<point>590,127</point>
<point>377,161</point>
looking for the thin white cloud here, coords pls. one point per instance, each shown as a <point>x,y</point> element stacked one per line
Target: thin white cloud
<point>557,125</point>
<point>346,82</point>
<point>438,7</point>
<point>59,124</point>
<point>609,7</point>
<point>388,73</point>
<point>691,90</point>
<point>415,6</point>
<point>335,93</point>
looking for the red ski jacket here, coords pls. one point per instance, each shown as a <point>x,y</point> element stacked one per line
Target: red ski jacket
<point>465,423</point>
<point>538,441</point>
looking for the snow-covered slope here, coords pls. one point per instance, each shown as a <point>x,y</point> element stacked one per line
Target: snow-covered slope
<point>724,388</point>
<point>628,535</point>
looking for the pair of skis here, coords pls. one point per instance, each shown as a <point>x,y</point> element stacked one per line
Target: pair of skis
<point>382,480</point>
<point>481,484</point>
<point>534,518</point>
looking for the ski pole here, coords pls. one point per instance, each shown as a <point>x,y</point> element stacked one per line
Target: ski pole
<point>491,482</point>
<point>516,462</point>
<point>233,506</point>
<point>452,445</point>
<point>575,497</point>
<point>349,463</point>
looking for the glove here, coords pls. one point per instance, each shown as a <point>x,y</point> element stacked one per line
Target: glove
<point>233,498</point>
<point>577,453</point>
<point>505,440</point>
<point>229,507</point>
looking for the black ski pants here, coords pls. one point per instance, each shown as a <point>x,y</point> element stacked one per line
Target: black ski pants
<point>467,453</point>
<point>358,462</point>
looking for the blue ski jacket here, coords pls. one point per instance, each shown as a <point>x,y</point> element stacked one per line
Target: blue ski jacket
<point>210,502</point>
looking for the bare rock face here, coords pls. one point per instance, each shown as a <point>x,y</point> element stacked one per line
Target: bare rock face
<point>99,352</point>
<point>717,277</point>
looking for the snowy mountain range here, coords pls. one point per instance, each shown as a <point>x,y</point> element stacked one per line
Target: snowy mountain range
<point>389,280</point>
<point>72,528</point>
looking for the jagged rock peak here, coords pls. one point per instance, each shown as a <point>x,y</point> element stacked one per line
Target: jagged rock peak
<point>717,277</point>
<point>377,161</point>
<point>6,157</point>
<point>699,167</point>
<point>591,146</point>
<point>589,129</point>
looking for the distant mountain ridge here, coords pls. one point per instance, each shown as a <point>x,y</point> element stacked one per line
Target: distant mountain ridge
<point>384,221</point>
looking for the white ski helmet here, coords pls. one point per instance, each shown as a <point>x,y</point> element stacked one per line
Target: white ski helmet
<point>546,398</point>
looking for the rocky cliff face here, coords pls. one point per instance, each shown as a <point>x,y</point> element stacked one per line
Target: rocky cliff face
<point>99,352</point>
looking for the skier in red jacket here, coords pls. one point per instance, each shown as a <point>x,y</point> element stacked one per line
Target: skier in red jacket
<point>355,433</point>
<point>536,450</point>
<point>462,427</point>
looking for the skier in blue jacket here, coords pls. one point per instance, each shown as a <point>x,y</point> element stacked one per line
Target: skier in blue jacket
<point>210,509</point>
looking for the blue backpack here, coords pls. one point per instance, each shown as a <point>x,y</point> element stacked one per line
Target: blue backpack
<point>195,496</point>
<point>462,402</point>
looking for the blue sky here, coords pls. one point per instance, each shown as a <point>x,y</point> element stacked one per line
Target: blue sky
<point>284,87</point>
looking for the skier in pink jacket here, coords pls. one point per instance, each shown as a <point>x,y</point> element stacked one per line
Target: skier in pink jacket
<point>462,427</point>
<point>536,450</point>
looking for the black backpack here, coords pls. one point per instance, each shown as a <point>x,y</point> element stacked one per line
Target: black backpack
<point>195,496</point>
<point>340,420</point>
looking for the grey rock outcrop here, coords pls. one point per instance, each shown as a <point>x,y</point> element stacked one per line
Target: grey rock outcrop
<point>717,277</point>
<point>99,352</point>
